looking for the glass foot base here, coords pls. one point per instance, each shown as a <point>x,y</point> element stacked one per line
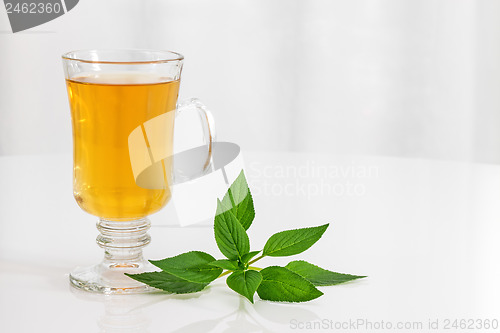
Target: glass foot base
<point>109,278</point>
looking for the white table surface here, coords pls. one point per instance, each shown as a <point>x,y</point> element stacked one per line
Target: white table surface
<point>425,232</point>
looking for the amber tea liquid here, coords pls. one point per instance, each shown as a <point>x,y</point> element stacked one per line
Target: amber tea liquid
<point>105,109</point>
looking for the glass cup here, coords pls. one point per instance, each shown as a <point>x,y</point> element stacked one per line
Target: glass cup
<point>123,106</point>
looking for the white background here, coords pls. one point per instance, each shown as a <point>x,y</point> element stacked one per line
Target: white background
<point>401,78</point>
<point>304,84</point>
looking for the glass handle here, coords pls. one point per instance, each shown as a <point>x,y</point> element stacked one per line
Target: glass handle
<point>187,163</point>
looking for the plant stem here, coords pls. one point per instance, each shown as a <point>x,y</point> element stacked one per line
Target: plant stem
<point>255,268</point>
<point>251,262</point>
<point>224,273</point>
<point>256,259</point>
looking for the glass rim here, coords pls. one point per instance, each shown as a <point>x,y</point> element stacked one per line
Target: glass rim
<point>163,55</point>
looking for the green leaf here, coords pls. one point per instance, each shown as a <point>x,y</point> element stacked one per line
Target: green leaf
<point>245,283</point>
<point>319,276</point>
<point>191,266</point>
<point>238,197</point>
<point>168,282</point>
<point>246,258</point>
<point>282,285</point>
<point>290,242</point>
<point>230,235</point>
<point>230,265</point>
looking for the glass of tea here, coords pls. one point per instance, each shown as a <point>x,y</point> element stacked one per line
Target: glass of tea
<point>123,107</point>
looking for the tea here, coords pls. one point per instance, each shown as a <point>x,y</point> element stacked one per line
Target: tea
<point>105,110</point>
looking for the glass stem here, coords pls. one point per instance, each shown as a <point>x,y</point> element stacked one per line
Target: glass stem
<point>123,241</point>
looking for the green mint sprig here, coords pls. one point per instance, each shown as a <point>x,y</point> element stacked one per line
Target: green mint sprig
<point>296,282</point>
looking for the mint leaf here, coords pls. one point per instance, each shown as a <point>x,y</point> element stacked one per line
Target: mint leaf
<point>282,285</point>
<point>319,276</point>
<point>246,258</point>
<point>192,271</point>
<point>168,282</point>
<point>290,242</point>
<point>239,198</point>
<point>191,266</point>
<point>230,236</point>
<point>230,265</point>
<point>245,283</point>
